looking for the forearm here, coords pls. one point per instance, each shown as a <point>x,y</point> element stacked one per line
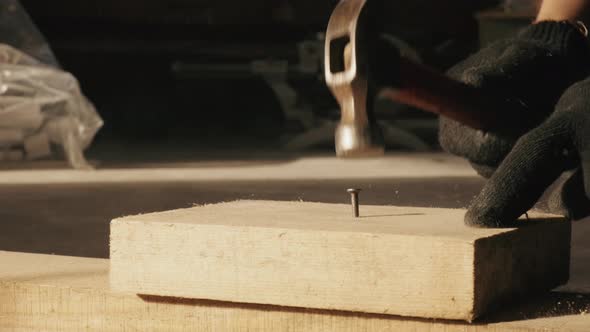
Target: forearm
<point>564,10</point>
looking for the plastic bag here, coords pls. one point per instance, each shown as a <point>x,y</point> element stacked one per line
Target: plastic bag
<point>42,110</point>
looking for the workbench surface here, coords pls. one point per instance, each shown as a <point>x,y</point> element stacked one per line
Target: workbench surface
<point>49,210</point>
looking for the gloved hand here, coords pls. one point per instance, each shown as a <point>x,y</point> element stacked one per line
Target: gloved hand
<point>531,71</point>
<point>539,157</point>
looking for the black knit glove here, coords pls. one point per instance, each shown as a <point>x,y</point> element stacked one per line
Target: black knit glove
<point>539,157</point>
<point>531,71</point>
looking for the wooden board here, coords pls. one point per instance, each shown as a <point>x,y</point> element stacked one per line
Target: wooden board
<point>416,262</point>
<point>62,294</point>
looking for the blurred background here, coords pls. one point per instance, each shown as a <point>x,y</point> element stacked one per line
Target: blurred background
<point>235,76</point>
<point>204,102</point>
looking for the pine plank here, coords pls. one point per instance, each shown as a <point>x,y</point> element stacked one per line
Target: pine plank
<point>418,262</point>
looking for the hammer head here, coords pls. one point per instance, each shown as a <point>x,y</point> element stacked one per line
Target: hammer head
<point>346,72</point>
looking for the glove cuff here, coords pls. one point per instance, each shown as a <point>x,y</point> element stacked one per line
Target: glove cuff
<point>562,36</point>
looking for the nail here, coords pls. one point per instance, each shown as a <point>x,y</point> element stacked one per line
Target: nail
<point>354,198</point>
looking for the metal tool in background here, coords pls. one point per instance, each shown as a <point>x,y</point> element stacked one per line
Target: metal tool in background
<point>351,50</point>
<point>276,72</point>
<point>313,128</point>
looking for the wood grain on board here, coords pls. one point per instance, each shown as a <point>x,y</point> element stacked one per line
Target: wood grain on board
<point>418,262</point>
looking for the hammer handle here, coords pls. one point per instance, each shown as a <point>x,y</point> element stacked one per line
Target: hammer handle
<point>424,88</point>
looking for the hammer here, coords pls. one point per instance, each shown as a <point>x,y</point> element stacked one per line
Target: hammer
<point>350,53</point>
